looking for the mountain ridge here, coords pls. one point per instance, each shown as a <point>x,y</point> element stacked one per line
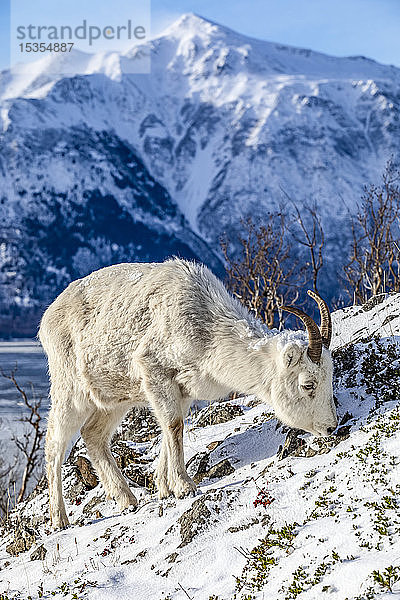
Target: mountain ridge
<point>227,127</point>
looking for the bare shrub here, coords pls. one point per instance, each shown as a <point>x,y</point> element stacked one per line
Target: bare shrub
<point>311,235</point>
<point>264,275</point>
<point>18,471</point>
<point>374,265</point>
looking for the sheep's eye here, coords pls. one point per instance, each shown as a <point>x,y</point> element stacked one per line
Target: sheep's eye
<point>308,386</point>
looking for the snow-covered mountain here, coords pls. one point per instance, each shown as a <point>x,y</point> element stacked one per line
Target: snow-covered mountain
<point>314,518</point>
<point>98,164</point>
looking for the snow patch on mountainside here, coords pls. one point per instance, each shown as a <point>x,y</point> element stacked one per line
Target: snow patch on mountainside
<point>224,126</point>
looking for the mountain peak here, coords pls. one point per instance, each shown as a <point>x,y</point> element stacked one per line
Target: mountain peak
<point>191,18</point>
<point>194,31</point>
<point>189,22</point>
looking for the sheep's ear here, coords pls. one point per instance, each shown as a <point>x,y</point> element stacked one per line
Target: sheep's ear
<point>291,355</point>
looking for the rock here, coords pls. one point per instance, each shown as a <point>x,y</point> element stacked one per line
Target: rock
<point>295,446</point>
<point>39,553</point>
<point>346,417</point>
<point>212,445</point>
<point>76,488</point>
<point>218,413</point>
<point>247,525</point>
<point>132,464</point>
<point>198,466</point>
<point>254,402</point>
<point>172,557</point>
<point>87,472</point>
<point>139,425</point>
<point>84,478</point>
<point>372,302</point>
<point>291,444</point>
<point>78,473</point>
<point>194,520</point>
<point>388,319</point>
<point>138,556</point>
<point>221,469</point>
<point>203,513</point>
<point>342,434</point>
<point>24,538</point>
<point>125,455</point>
<point>263,418</point>
<point>140,477</point>
<point>311,452</point>
<point>88,509</point>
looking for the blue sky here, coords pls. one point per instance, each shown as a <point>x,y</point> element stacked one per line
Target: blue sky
<point>339,27</point>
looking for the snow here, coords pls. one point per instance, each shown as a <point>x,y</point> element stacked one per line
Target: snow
<point>333,521</point>
<point>34,79</point>
<point>265,101</point>
<point>384,321</point>
<point>227,125</point>
<point>135,277</point>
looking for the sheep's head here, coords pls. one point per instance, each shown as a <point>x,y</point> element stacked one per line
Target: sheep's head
<point>301,392</point>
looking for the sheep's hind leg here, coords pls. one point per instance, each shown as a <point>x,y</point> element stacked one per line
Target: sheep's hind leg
<point>63,422</point>
<point>167,403</point>
<point>97,432</point>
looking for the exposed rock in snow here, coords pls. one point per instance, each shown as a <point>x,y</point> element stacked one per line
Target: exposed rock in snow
<point>218,413</point>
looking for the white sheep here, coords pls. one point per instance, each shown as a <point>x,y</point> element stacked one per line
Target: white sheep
<point>163,335</point>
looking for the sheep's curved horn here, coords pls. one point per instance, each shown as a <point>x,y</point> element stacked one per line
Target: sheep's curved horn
<point>314,350</point>
<point>326,321</point>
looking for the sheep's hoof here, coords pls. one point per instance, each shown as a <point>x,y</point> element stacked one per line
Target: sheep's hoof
<point>60,521</point>
<point>184,487</point>
<point>163,491</point>
<point>126,500</point>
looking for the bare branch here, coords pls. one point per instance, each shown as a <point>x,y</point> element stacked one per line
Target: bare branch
<point>374,262</point>
<point>264,275</point>
<point>312,237</point>
<point>28,444</point>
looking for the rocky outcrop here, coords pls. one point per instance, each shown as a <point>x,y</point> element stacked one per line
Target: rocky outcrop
<point>218,413</point>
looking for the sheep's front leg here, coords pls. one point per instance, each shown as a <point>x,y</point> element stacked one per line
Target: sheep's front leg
<point>161,473</point>
<point>178,479</point>
<point>165,398</point>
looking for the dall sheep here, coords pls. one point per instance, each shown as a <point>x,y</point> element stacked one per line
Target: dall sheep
<point>163,335</point>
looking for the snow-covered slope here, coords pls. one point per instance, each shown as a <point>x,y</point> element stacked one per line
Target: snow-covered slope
<point>226,126</point>
<point>316,518</point>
